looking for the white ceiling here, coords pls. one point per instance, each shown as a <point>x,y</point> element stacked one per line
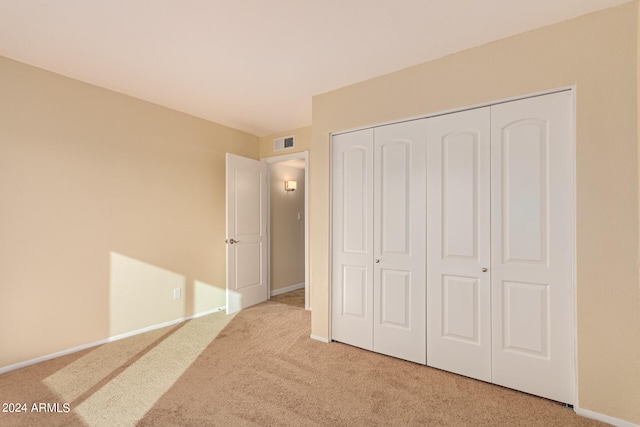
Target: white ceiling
<point>298,163</point>
<point>255,64</point>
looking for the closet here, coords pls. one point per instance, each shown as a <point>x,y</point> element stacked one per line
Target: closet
<point>452,243</point>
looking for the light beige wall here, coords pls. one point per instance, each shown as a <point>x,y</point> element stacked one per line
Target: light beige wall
<point>107,203</point>
<point>303,142</point>
<point>597,53</point>
<point>287,231</point>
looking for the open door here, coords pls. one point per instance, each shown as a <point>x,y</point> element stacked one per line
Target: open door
<point>246,199</point>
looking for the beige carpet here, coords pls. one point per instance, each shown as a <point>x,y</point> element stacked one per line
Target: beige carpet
<point>258,368</point>
<point>293,298</point>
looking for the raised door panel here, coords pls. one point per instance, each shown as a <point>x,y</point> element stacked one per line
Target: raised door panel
<point>249,227</point>
<point>352,241</point>
<point>354,292</point>
<point>400,240</point>
<point>395,299</point>
<point>458,230</point>
<point>459,181</point>
<point>394,191</point>
<point>525,323</point>
<point>248,200</point>
<point>532,246</point>
<point>461,309</point>
<point>525,191</point>
<point>354,199</point>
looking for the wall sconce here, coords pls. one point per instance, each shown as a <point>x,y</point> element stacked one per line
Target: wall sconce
<point>290,185</point>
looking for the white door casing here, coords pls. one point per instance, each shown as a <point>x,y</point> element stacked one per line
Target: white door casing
<point>532,231</point>
<point>246,230</point>
<point>399,241</point>
<point>458,227</point>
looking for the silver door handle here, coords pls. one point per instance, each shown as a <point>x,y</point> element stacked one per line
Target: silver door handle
<point>484,269</point>
<point>232,241</point>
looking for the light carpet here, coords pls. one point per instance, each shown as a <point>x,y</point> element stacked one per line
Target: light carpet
<point>259,368</point>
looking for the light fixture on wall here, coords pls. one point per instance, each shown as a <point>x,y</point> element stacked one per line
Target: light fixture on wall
<point>290,185</point>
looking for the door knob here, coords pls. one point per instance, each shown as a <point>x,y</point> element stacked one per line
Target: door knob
<point>484,269</point>
<point>232,241</point>
<point>377,261</point>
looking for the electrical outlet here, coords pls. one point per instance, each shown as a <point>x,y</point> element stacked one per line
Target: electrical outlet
<point>177,293</point>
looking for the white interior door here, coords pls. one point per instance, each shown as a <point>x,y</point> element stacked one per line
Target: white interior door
<point>532,246</point>
<point>399,237</point>
<point>458,252</point>
<point>246,200</point>
<point>352,239</point>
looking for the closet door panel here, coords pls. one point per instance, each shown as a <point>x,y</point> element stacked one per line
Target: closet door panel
<point>532,244</point>
<point>458,230</point>
<point>352,241</point>
<point>400,240</point>
<point>395,298</point>
<point>525,191</point>
<point>394,192</point>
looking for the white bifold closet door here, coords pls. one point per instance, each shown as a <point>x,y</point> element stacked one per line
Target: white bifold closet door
<point>459,243</point>
<point>532,235</point>
<point>500,252</point>
<point>352,239</point>
<point>378,240</point>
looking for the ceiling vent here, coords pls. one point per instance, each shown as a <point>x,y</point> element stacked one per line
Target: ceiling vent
<point>284,143</point>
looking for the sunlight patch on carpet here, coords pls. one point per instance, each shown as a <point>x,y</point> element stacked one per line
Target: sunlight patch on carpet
<point>99,364</point>
<point>126,398</point>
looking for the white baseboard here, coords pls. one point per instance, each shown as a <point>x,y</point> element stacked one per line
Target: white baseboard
<point>30,362</point>
<point>287,289</point>
<point>604,418</point>
<point>317,338</point>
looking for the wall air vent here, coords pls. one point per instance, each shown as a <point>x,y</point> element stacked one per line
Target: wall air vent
<point>283,143</point>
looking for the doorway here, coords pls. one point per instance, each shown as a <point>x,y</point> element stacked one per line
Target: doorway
<point>288,226</point>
